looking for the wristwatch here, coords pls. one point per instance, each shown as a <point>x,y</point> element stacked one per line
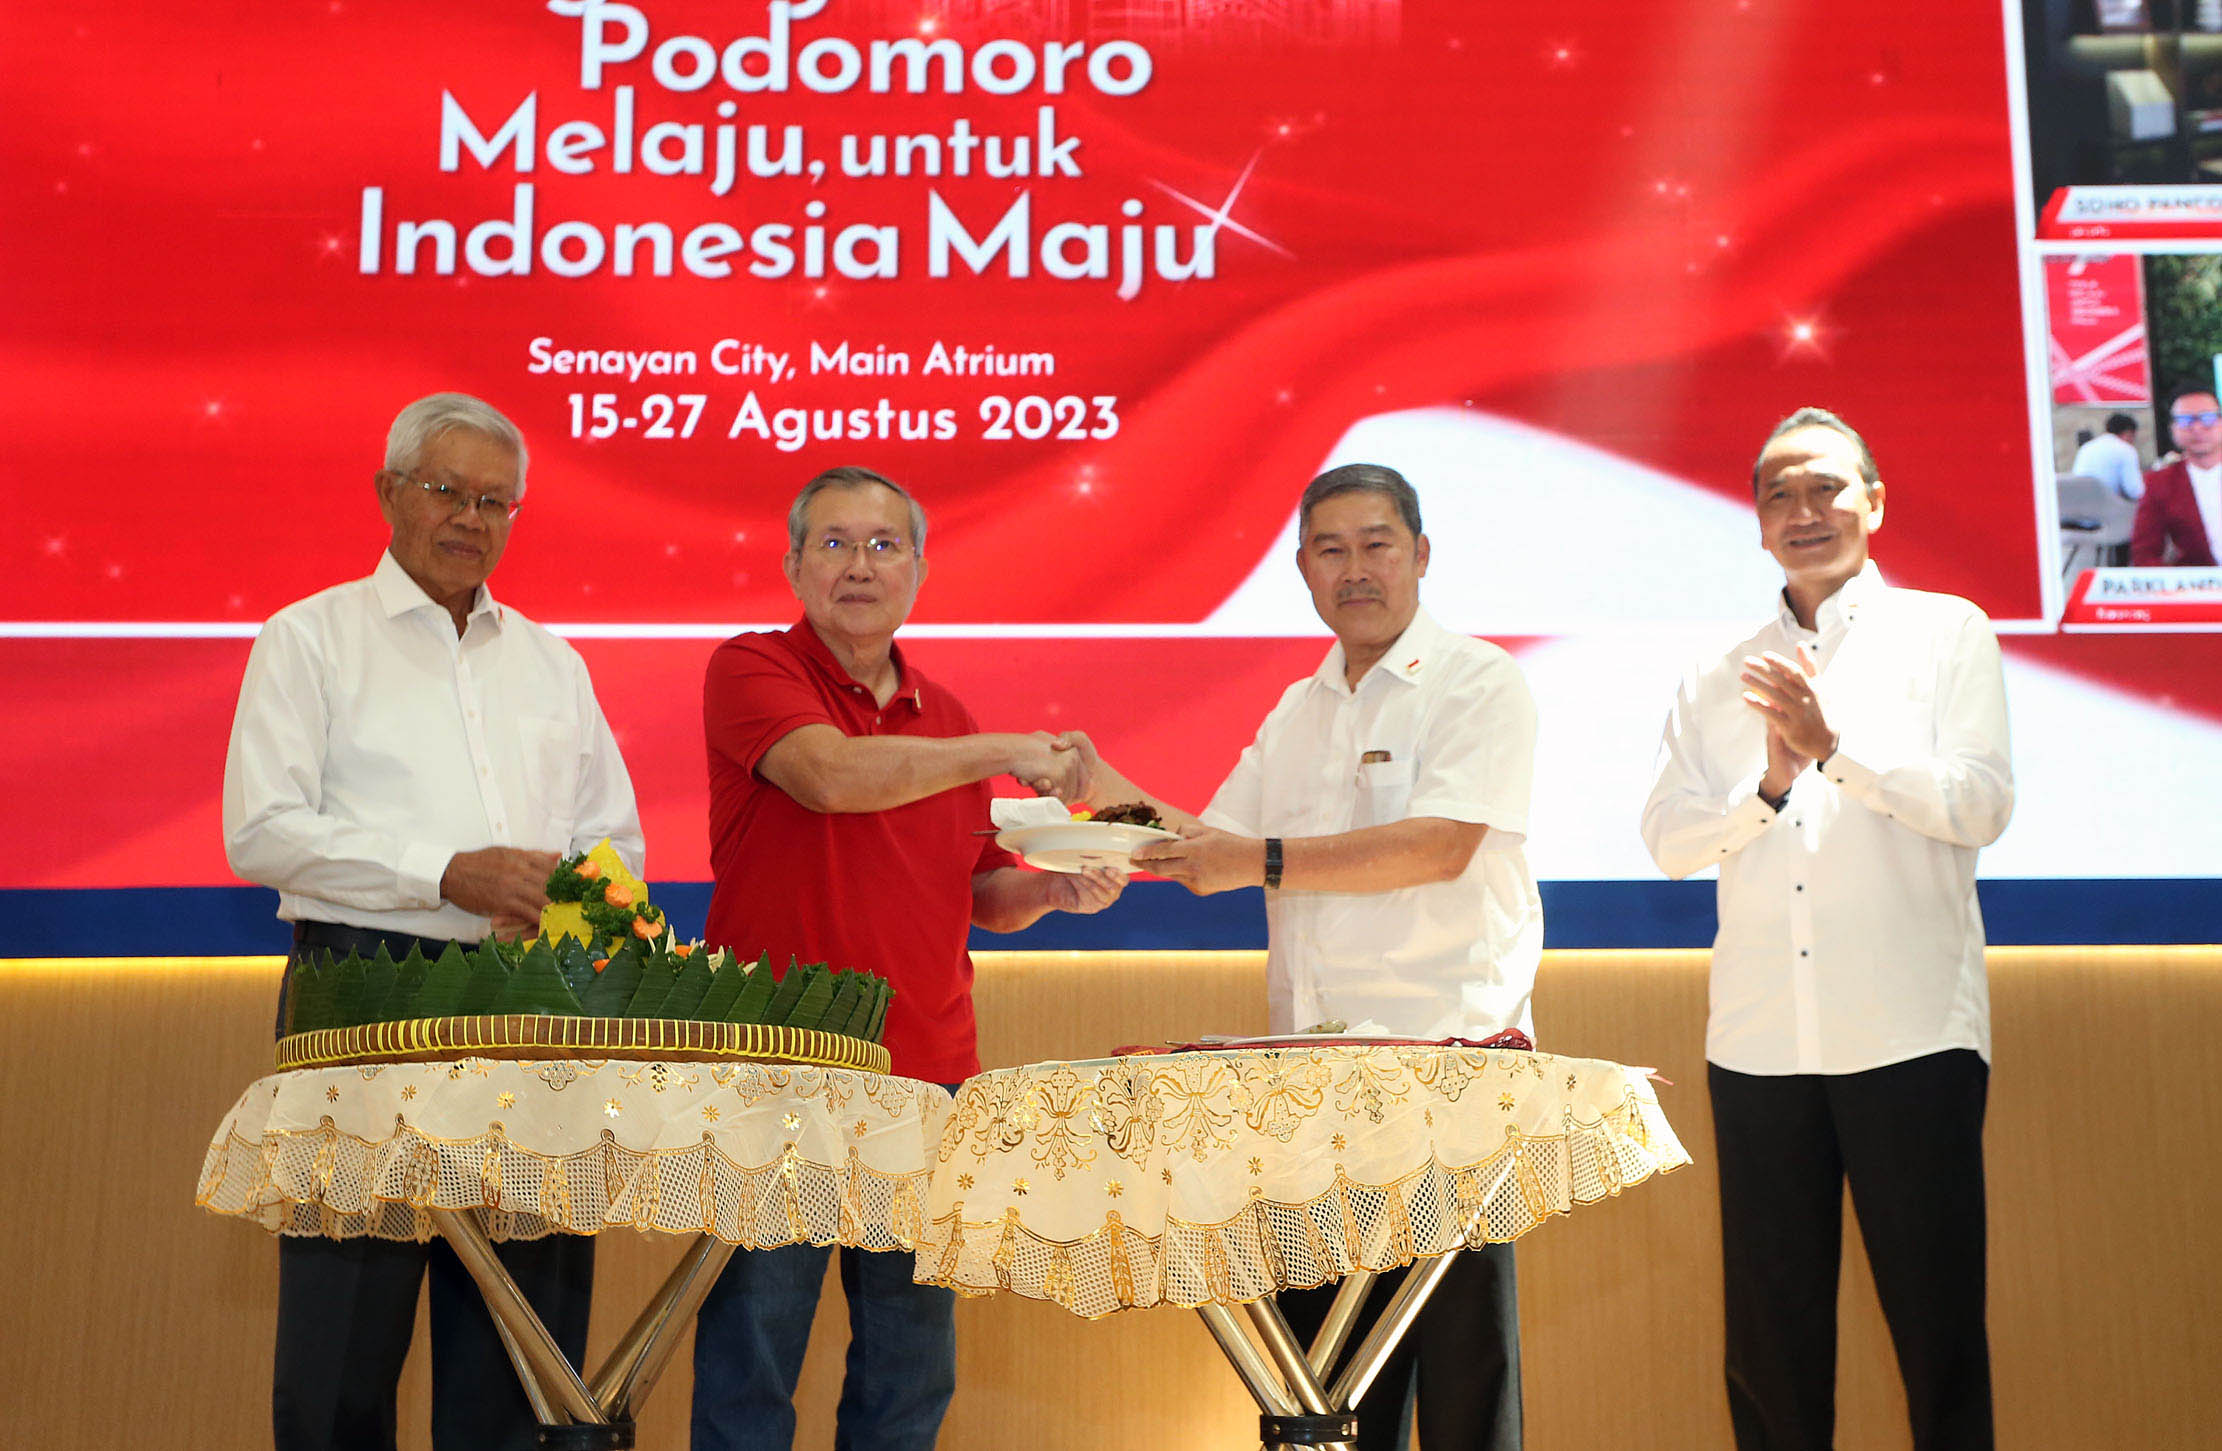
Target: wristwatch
<point>1273,863</point>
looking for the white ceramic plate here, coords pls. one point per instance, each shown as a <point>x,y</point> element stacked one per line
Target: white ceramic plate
<point>1073,846</point>
<point>1315,1040</point>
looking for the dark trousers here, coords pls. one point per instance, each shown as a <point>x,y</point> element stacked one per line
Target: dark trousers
<point>1908,1138</point>
<point>347,1310</point>
<point>1462,1356</point>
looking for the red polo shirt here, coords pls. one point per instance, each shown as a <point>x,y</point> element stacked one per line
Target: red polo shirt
<point>887,891</point>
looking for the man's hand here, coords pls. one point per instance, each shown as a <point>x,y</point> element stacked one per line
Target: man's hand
<point>1087,891</point>
<point>1206,860</point>
<point>499,881</point>
<point>1783,766</point>
<point>1781,690</point>
<point>513,929</point>
<point>1049,769</point>
<point>1092,768</point>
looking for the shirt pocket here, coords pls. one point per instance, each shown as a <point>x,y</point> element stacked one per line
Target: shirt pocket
<point>1384,792</point>
<point>549,756</point>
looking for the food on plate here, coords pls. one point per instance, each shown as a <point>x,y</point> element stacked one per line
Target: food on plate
<point>1138,813</point>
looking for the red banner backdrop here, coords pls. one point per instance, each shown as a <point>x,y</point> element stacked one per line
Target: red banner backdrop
<point>1104,284</point>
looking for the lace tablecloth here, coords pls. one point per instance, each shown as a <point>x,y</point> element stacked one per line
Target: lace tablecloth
<point>757,1155</point>
<point>1221,1177</point>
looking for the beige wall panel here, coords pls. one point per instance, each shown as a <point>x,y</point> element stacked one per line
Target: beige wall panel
<point>141,1320</point>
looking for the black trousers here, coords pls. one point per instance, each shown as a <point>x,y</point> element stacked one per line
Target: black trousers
<point>1462,1355</point>
<point>348,1308</point>
<point>1908,1138</point>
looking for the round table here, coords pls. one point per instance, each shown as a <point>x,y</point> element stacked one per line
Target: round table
<point>1213,1179</point>
<point>739,1155</point>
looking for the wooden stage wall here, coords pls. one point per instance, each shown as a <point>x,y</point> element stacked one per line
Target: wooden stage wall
<point>142,1321</point>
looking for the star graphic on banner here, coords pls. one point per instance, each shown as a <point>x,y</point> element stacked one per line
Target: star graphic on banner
<point>1289,128</point>
<point>1805,337</point>
<point>1220,217</point>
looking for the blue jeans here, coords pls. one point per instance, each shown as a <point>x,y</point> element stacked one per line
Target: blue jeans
<point>754,1327</point>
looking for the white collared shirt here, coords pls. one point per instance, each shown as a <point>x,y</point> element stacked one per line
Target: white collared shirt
<point>2114,462</point>
<point>372,744</point>
<point>2206,492</point>
<point>1849,933</point>
<point>1449,728</point>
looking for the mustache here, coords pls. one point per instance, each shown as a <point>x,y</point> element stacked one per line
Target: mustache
<point>1345,596</point>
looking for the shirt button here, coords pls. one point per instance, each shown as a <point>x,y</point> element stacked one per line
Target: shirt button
<point>1802,952</point>
<point>1801,886</point>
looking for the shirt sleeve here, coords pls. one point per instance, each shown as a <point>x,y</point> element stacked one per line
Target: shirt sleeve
<point>275,832</point>
<point>606,807</point>
<point>1963,794</point>
<point>1689,823</point>
<point>1477,759</point>
<point>752,699</point>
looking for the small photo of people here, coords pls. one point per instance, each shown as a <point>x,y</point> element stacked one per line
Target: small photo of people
<point>2136,423</point>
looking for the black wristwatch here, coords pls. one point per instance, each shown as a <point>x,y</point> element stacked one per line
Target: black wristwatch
<point>1776,802</point>
<point>1273,863</point>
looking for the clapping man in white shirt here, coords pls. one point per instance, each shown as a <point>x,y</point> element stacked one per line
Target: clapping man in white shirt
<point>1383,807</point>
<point>1841,766</point>
<point>408,759</point>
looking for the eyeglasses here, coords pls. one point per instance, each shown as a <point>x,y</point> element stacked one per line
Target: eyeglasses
<point>880,548</point>
<point>492,508</point>
<point>2184,420</point>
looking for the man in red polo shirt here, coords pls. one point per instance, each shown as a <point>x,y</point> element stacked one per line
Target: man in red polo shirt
<point>845,791</point>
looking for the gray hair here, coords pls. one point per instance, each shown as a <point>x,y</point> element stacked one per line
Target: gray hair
<point>849,476</point>
<point>1810,417</point>
<point>1359,479</point>
<point>416,426</point>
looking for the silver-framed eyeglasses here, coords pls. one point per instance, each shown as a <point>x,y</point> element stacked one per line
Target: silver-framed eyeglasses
<point>879,548</point>
<point>492,508</point>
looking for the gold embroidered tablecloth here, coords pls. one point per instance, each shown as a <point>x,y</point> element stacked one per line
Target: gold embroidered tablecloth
<point>755,1154</point>
<point>1221,1177</point>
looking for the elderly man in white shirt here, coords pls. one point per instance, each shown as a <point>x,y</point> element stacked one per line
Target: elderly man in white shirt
<point>408,760</point>
<point>1841,767</point>
<point>1383,807</point>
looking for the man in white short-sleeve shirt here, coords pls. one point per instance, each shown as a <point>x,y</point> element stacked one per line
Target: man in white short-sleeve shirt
<point>2112,458</point>
<point>1383,806</point>
<point>407,761</point>
<point>1841,767</point>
